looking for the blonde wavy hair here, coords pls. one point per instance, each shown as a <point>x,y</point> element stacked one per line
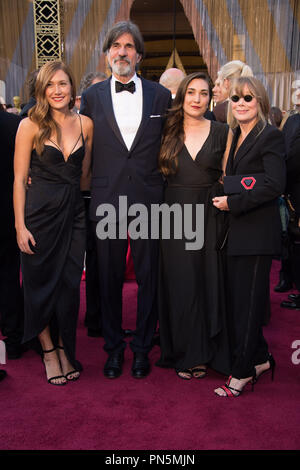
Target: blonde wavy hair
<point>234,69</point>
<point>257,90</point>
<point>40,114</point>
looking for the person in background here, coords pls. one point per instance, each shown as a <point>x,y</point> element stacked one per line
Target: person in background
<point>11,294</point>
<point>88,80</point>
<point>291,112</point>
<point>254,234</point>
<point>2,104</point>
<point>12,109</point>
<point>171,79</point>
<point>275,116</point>
<point>31,91</point>
<point>93,303</point>
<point>290,128</point>
<point>3,373</point>
<point>285,276</point>
<point>227,73</point>
<point>293,193</point>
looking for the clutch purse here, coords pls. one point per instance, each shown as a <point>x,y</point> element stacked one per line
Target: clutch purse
<point>237,184</point>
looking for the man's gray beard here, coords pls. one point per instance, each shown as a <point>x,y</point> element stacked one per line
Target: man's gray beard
<point>121,70</point>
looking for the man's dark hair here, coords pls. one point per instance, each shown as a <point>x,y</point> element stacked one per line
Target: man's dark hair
<point>121,28</point>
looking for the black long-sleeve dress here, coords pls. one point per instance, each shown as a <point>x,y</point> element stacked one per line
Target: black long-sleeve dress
<point>191,289</point>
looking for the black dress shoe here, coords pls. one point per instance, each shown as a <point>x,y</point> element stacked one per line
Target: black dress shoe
<point>2,374</point>
<point>290,304</point>
<point>294,297</point>
<point>113,365</point>
<point>283,286</point>
<point>140,366</point>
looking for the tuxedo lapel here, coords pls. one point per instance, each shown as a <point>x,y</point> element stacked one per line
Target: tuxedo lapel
<point>105,97</point>
<point>148,96</point>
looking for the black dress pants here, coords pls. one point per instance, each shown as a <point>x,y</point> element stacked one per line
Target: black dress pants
<point>111,254</point>
<point>92,292</point>
<point>248,301</point>
<point>295,263</point>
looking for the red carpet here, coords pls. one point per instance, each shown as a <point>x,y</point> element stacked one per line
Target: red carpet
<point>160,412</point>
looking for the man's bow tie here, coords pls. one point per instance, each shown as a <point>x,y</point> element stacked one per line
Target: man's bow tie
<point>125,86</point>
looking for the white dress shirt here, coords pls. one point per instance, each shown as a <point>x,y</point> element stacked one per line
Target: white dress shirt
<point>128,108</point>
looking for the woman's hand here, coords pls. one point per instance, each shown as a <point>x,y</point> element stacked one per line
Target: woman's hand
<point>220,202</point>
<point>23,239</point>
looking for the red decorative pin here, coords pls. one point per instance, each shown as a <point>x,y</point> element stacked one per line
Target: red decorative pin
<point>248,182</point>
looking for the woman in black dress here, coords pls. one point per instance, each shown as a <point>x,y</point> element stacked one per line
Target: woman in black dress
<point>255,177</point>
<point>55,143</point>
<point>191,289</point>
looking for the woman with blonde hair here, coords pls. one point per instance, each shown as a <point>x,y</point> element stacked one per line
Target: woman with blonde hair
<point>55,144</point>
<point>255,178</point>
<point>226,75</point>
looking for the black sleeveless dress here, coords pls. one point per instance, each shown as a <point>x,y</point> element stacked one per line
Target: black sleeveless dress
<point>55,215</point>
<point>191,290</point>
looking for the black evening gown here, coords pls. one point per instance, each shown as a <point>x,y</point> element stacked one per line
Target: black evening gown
<point>191,290</point>
<point>55,215</point>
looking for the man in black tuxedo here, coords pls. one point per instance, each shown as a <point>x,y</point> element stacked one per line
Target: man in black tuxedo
<point>11,296</point>
<point>128,122</point>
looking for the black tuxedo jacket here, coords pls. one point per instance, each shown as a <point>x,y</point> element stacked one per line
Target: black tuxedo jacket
<point>290,130</point>
<point>254,221</point>
<point>8,127</point>
<point>27,107</point>
<point>220,111</point>
<point>117,171</point>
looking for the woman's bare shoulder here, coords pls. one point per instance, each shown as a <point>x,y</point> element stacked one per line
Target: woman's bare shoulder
<point>27,125</point>
<point>86,121</point>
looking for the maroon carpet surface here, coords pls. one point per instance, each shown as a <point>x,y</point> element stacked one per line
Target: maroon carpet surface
<point>161,412</point>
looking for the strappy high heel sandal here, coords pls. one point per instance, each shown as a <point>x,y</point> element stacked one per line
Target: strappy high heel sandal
<point>69,374</point>
<point>51,379</point>
<point>234,392</point>
<point>270,369</point>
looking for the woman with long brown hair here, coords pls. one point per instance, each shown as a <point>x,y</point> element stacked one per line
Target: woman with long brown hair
<point>55,144</point>
<point>191,293</point>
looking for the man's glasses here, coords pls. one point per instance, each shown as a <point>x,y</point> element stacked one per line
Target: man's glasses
<point>236,98</point>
